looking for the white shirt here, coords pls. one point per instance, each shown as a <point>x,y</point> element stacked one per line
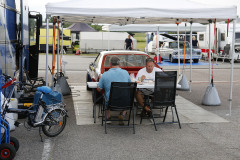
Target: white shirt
<point>144,72</point>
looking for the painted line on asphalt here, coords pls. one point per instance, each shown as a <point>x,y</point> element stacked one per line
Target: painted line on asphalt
<point>47,149</point>
<point>213,82</point>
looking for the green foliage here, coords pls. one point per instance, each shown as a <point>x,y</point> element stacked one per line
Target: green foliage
<point>141,41</point>
<point>65,25</point>
<point>97,27</point>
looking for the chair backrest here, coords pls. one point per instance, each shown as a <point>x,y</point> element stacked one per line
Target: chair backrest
<point>121,95</point>
<point>165,88</point>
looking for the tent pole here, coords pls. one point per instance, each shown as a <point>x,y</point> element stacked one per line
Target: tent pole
<point>157,43</point>
<point>61,47</point>
<point>232,67</point>
<point>179,73</point>
<point>209,52</point>
<point>146,43</point>
<point>108,41</point>
<point>53,50</point>
<point>58,48</point>
<point>102,41</point>
<point>47,47</point>
<point>190,88</point>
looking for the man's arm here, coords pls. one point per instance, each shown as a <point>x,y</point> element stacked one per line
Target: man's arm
<point>100,84</point>
<point>99,89</point>
<point>140,75</point>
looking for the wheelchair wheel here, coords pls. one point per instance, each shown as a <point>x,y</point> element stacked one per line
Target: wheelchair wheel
<point>7,151</point>
<point>54,123</point>
<point>15,143</point>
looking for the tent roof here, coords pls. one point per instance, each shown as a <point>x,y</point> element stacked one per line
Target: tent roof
<point>138,12</point>
<point>196,27</point>
<point>81,27</point>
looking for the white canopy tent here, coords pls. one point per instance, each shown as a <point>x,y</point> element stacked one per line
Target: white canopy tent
<point>196,27</point>
<point>141,12</point>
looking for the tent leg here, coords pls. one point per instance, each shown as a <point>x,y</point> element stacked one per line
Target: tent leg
<point>190,86</point>
<point>47,47</point>
<point>232,67</point>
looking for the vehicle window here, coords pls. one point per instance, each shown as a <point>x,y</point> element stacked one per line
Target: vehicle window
<point>222,36</point>
<point>128,60</point>
<point>175,44</point>
<point>237,37</point>
<point>201,37</point>
<point>97,60</point>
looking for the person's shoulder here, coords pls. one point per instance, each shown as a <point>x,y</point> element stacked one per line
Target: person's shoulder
<point>157,69</point>
<point>142,70</point>
<point>123,70</point>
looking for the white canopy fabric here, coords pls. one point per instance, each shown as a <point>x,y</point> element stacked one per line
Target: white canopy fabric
<point>138,12</point>
<point>123,12</point>
<point>196,27</point>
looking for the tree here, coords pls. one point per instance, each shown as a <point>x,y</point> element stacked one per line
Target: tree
<point>97,27</point>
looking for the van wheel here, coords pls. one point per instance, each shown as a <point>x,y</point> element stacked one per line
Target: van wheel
<point>172,60</point>
<point>195,60</point>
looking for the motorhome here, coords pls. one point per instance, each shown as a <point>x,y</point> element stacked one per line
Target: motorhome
<point>221,41</point>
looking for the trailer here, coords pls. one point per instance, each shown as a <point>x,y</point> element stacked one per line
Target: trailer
<point>94,42</point>
<point>221,41</point>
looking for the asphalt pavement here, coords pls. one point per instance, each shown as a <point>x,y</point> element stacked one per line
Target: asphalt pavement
<point>196,140</point>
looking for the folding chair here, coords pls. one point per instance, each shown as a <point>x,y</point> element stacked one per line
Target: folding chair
<point>165,95</point>
<point>121,98</point>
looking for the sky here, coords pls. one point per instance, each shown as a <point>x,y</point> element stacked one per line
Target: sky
<point>39,5</point>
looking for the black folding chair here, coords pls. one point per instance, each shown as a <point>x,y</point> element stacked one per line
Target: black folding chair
<point>165,95</point>
<point>121,98</point>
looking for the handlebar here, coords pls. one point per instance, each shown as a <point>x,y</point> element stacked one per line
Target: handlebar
<point>10,82</point>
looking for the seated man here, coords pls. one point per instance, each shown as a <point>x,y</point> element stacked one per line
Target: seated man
<point>147,72</point>
<point>114,74</point>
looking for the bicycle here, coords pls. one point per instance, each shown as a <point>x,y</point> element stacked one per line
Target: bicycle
<point>47,111</point>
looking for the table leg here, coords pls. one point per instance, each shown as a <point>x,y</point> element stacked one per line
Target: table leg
<point>95,100</point>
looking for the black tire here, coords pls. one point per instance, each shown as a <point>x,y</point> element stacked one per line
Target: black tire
<point>195,60</point>
<point>55,119</point>
<point>87,80</point>
<point>7,151</point>
<point>172,60</point>
<point>15,143</point>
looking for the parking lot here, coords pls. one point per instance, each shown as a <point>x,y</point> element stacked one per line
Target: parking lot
<point>196,140</point>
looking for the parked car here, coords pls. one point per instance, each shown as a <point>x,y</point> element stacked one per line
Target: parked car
<point>173,56</point>
<point>132,61</point>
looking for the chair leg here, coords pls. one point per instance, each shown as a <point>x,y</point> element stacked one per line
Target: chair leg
<point>99,109</point>
<point>133,121</point>
<point>141,119</point>
<point>178,117</point>
<point>165,114</point>
<point>172,114</point>
<point>105,122</point>
<point>103,116</point>
<point>154,121</point>
<point>129,117</point>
